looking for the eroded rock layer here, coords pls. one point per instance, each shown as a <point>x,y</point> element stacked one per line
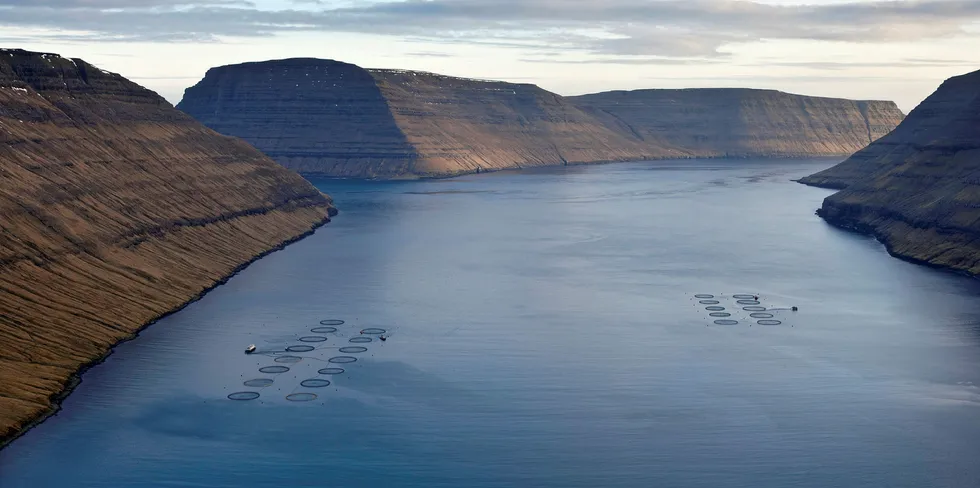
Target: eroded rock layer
<point>918,188</point>
<point>336,119</point>
<point>116,208</point>
<point>310,115</point>
<point>459,125</point>
<point>737,122</point>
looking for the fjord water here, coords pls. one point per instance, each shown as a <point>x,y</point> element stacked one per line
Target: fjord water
<point>543,333</point>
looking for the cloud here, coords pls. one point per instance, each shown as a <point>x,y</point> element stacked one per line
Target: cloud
<point>121,4</point>
<point>428,54</point>
<point>628,60</point>
<point>617,28</point>
<point>561,58</point>
<point>903,63</point>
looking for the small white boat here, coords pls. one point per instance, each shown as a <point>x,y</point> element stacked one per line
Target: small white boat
<point>250,349</point>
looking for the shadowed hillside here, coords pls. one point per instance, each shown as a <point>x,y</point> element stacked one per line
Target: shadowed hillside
<point>918,188</point>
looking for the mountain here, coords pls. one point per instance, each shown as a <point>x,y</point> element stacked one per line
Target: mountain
<point>739,122</point>
<point>918,188</point>
<point>337,119</point>
<point>117,209</point>
<point>459,125</point>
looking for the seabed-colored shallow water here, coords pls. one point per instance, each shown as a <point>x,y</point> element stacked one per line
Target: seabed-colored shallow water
<point>547,328</point>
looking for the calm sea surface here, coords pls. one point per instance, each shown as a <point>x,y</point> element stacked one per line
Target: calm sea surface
<point>543,331</point>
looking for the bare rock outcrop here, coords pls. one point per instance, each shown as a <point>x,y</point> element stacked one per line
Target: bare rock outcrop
<point>918,188</point>
<point>116,209</point>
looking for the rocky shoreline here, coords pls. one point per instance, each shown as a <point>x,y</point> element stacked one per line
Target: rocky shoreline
<point>955,250</point>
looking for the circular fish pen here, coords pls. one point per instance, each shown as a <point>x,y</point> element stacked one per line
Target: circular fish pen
<point>331,371</point>
<point>743,296</point>
<point>300,348</point>
<point>714,308</point>
<point>243,395</point>
<point>760,315</point>
<point>754,308</point>
<point>312,339</point>
<point>332,322</point>
<point>709,302</point>
<point>703,295</point>
<point>301,397</point>
<point>342,359</point>
<point>353,349</point>
<point>360,340</point>
<point>373,331</point>
<point>747,302</point>
<point>315,383</point>
<point>769,322</point>
<point>259,382</point>
<point>323,330</point>
<point>720,314</point>
<point>274,369</point>
<point>287,359</point>
<point>726,322</point>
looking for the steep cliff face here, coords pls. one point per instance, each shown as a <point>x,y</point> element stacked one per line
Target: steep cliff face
<point>310,115</point>
<point>460,125</point>
<point>116,209</point>
<point>918,188</point>
<point>336,119</point>
<point>735,122</point>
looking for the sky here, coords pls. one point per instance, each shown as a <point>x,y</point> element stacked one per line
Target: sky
<point>898,50</point>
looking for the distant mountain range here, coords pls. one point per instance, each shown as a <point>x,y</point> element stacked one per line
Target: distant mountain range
<point>336,119</point>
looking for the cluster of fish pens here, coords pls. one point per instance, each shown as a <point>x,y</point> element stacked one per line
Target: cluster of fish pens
<point>311,346</point>
<point>747,307</point>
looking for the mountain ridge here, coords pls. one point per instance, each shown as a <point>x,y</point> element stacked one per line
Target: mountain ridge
<point>433,125</point>
<point>759,122</point>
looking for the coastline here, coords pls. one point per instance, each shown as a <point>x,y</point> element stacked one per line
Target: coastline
<point>893,247</point>
<point>825,186</point>
<point>518,167</point>
<point>890,243</point>
<point>76,377</point>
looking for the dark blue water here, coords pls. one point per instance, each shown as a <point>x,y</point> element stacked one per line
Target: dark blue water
<point>543,333</point>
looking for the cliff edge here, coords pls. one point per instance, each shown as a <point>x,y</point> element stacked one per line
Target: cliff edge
<point>337,119</point>
<point>117,209</point>
<point>918,188</point>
